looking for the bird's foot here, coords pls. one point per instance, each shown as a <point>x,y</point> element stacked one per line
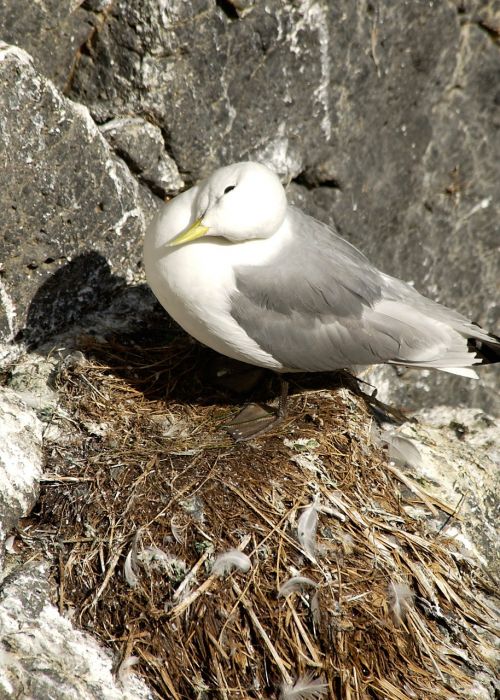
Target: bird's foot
<point>252,421</point>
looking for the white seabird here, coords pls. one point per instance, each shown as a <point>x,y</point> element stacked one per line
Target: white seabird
<point>258,280</point>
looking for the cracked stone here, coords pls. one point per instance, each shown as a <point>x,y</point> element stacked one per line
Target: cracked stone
<point>43,656</point>
<point>62,25</point>
<point>142,147</point>
<point>20,459</point>
<point>77,209</point>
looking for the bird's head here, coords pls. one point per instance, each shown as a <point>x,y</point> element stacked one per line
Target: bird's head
<point>238,203</point>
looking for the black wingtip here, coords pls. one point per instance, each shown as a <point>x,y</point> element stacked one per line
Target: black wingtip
<point>486,351</point>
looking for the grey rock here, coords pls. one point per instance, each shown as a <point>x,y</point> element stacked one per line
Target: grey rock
<point>73,216</point>
<point>141,146</point>
<point>454,455</point>
<point>414,389</point>
<point>42,656</point>
<point>220,88</point>
<point>98,5</point>
<point>31,377</point>
<point>383,113</point>
<point>52,31</point>
<point>20,459</point>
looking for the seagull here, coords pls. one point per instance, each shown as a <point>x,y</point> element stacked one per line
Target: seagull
<point>260,281</point>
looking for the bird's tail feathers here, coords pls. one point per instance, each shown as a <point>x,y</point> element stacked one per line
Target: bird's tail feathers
<point>454,343</point>
<point>487,351</point>
<point>461,372</point>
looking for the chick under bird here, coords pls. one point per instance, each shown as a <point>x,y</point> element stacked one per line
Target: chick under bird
<point>256,279</point>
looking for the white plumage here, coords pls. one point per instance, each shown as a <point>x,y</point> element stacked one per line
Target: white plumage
<point>259,281</point>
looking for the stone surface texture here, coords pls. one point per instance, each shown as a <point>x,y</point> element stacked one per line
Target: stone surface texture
<point>456,460</point>
<point>142,147</point>
<point>73,214</point>
<point>20,459</point>
<point>383,117</point>
<point>42,656</point>
<point>52,31</point>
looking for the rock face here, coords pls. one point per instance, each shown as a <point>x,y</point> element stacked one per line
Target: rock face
<point>42,656</point>
<point>383,116</point>
<point>73,215</point>
<point>142,147</point>
<point>52,31</point>
<point>20,459</point>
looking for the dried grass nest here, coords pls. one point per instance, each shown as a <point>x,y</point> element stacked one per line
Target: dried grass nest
<point>326,587</point>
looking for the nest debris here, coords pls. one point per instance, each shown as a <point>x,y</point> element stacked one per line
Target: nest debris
<point>144,490</point>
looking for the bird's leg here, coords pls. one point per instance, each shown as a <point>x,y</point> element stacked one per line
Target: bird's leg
<point>283,402</point>
<point>255,419</point>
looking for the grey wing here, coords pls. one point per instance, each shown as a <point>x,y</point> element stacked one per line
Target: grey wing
<point>322,306</point>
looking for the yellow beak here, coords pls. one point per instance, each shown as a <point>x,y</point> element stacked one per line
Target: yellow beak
<point>196,230</point>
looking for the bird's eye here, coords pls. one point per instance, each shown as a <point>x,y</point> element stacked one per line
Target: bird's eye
<point>229,188</point>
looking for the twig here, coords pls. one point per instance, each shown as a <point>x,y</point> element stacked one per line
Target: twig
<point>256,622</point>
<point>187,579</point>
<point>452,515</point>
<point>205,586</point>
<point>269,522</point>
<point>418,491</point>
<point>109,574</point>
<point>303,634</point>
<point>61,584</point>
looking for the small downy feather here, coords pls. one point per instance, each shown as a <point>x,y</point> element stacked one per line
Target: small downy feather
<point>306,529</point>
<point>347,543</point>
<point>149,555</point>
<point>10,545</point>
<point>402,449</point>
<point>128,571</point>
<point>233,559</point>
<point>315,609</point>
<point>305,688</point>
<point>296,584</point>
<point>125,666</point>
<point>176,531</point>
<point>156,558</point>
<point>131,564</point>
<point>400,598</point>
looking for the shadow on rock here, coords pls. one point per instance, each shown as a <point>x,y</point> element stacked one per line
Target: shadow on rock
<point>164,363</point>
<point>126,331</point>
<point>84,284</point>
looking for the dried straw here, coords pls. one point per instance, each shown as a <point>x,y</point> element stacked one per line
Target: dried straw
<point>143,452</point>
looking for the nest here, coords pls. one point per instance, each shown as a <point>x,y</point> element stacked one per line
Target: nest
<point>347,596</point>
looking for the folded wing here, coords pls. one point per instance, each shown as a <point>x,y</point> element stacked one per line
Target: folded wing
<point>320,305</point>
